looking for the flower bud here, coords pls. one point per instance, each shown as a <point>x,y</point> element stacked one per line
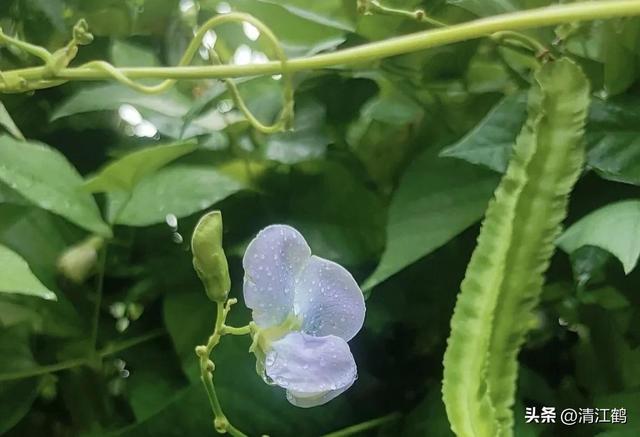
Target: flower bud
<point>209,260</point>
<point>77,262</point>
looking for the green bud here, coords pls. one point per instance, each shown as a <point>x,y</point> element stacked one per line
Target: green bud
<point>78,261</point>
<point>81,33</point>
<point>209,260</point>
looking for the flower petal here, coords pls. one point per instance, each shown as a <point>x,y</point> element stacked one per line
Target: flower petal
<point>271,263</point>
<point>313,370</point>
<point>329,300</point>
<point>307,400</point>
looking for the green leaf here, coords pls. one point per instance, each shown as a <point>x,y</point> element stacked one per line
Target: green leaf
<point>308,140</point>
<point>613,133</point>
<point>151,386</point>
<point>391,106</point>
<point>180,190</point>
<point>620,432</point>
<point>429,418</point>
<point>588,264</point>
<point>483,8</point>
<point>39,236</point>
<point>388,118</point>
<point>7,122</point>
<point>629,400</point>
<point>299,35</point>
<point>607,361</point>
<point>44,176</point>
<point>614,228</point>
<point>126,54</point>
<point>124,173</point>
<point>182,412</point>
<point>165,112</point>
<point>17,277</point>
<point>334,13</point>
<point>53,10</point>
<point>340,216</point>
<point>613,136</point>
<point>436,200</point>
<point>16,398</point>
<point>111,96</point>
<point>613,44</point>
<point>490,142</point>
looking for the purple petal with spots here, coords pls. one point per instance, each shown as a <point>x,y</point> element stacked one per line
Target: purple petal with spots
<point>271,263</point>
<point>328,300</point>
<point>313,370</point>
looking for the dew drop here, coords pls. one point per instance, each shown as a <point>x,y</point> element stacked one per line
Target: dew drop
<point>172,221</point>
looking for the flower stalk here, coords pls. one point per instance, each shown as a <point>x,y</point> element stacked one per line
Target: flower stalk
<point>220,421</point>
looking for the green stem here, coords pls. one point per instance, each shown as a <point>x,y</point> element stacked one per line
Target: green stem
<point>546,16</point>
<point>98,305</point>
<point>41,370</point>
<point>131,342</point>
<point>503,37</point>
<point>37,51</point>
<point>68,364</point>
<point>232,330</point>
<point>373,423</point>
<point>221,423</point>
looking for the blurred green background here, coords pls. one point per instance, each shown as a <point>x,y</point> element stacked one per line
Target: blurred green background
<point>388,171</point>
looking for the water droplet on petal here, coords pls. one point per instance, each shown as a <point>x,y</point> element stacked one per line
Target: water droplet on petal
<point>270,360</point>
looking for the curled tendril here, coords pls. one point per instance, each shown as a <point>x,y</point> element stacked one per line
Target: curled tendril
<point>53,62</point>
<point>60,59</point>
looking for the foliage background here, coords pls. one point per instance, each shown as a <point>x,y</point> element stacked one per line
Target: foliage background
<point>388,172</point>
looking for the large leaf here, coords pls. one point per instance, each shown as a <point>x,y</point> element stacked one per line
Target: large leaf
<point>38,236</point>
<point>180,190</point>
<point>614,228</point>
<point>165,111</point>
<point>111,96</point>
<point>334,13</point>
<point>484,8</point>
<point>298,35</point>
<point>43,176</point>
<point>17,277</point>
<point>16,396</point>
<point>436,200</point>
<point>124,173</point>
<point>126,54</point>
<point>7,122</point>
<point>308,140</point>
<point>613,133</point>
<point>490,142</point>
<point>53,10</point>
<point>630,401</point>
<point>613,44</point>
<point>340,216</point>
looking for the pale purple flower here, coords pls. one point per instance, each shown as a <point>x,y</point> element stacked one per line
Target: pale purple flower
<point>306,309</point>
